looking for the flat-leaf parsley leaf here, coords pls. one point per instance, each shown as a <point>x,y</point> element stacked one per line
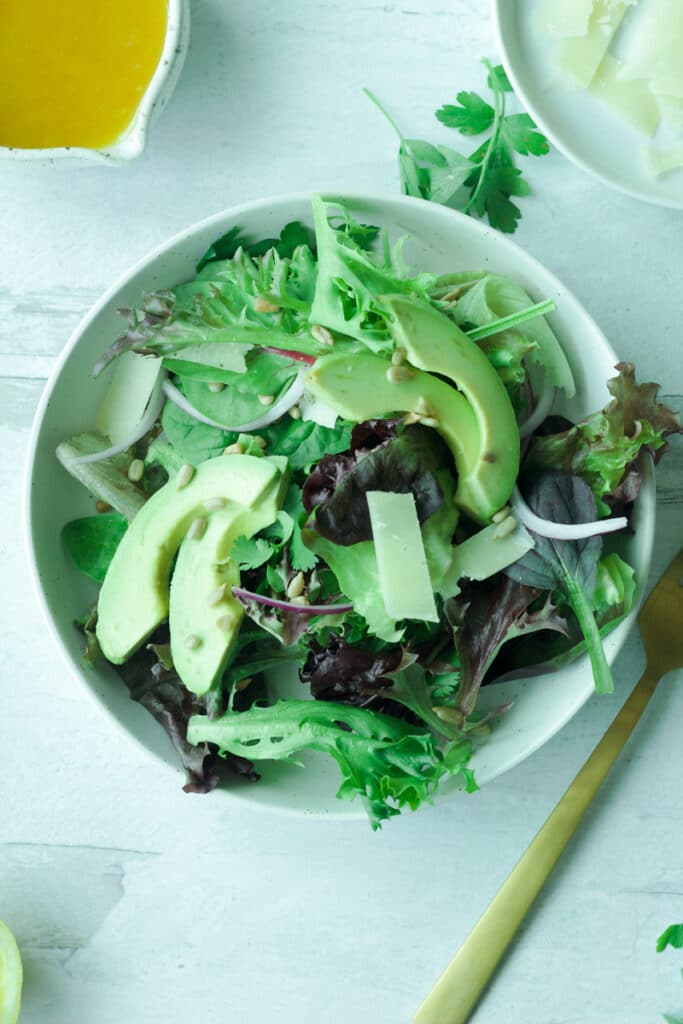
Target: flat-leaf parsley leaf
<point>483,183</point>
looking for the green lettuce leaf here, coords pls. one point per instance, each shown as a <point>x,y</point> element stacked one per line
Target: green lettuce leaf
<point>92,541</point>
<point>389,764</point>
<point>355,567</point>
<point>601,448</point>
<point>350,279</point>
<point>493,297</point>
<point>222,305</point>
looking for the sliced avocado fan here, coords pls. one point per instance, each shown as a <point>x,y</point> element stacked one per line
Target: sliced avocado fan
<point>134,598</point>
<point>204,616</point>
<point>477,420</point>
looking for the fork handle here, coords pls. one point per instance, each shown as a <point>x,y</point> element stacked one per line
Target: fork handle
<point>459,988</point>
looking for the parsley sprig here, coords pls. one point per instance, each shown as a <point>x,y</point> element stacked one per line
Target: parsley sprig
<point>483,182</point>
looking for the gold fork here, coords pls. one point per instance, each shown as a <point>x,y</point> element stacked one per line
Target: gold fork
<point>459,988</point>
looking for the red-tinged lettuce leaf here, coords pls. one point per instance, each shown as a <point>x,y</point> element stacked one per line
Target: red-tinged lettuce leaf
<point>407,461</point>
<point>568,568</point>
<point>602,448</point>
<point>166,698</point>
<point>483,618</point>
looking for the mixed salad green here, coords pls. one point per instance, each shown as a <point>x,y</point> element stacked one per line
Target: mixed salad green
<point>311,459</point>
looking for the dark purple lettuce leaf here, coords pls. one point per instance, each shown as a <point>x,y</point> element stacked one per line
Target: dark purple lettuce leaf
<point>166,698</point>
<point>349,674</point>
<point>483,618</point>
<point>384,456</point>
<point>568,568</point>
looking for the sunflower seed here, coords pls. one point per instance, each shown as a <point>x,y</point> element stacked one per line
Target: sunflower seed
<point>244,683</point>
<point>217,595</point>
<point>216,386</point>
<point>296,586</point>
<point>213,504</point>
<point>302,600</point>
<point>197,528</point>
<point>398,356</point>
<point>398,374</point>
<point>192,642</point>
<point>262,305</point>
<point>501,515</point>
<point>234,449</point>
<point>295,412</point>
<point>505,528</point>
<point>183,476</point>
<point>322,334</point>
<point>135,470</point>
<point>102,506</point>
<point>266,399</point>
<point>260,441</point>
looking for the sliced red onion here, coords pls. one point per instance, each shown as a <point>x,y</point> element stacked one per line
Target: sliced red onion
<point>288,606</point>
<point>540,413</point>
<point>300,357</point>
<point>270,415</point>
<point>562,531</point>
<point>150,416</point>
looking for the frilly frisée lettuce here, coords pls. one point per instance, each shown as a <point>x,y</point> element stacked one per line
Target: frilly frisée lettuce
<point>317,468</point>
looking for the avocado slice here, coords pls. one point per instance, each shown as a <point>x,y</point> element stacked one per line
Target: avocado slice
<point>433,342</point>
<point>204,617</point>
<point>358,388</point>
<point>134,598</point>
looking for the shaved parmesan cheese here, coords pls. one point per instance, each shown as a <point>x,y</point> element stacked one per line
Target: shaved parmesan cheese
<point>632,100</point>
<point>577,59</point>
<point>401,562</point>
<point>560,18</point>
<point>671,112</point>
<point>125,402</point>
<point>316,411</point>
<point>484,554</point>
<point>219,355</point>
<point>659,161</point>
<point>656,47</point>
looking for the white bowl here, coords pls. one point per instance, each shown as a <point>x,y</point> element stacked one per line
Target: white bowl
<point>576,122</point>
<point>441,240</point>
<point>133,141</point>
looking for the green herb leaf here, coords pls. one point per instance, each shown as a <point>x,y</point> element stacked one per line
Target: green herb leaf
<point>497,79</point>
<point>673,936</point>
<point>482,183</point>
<point>471,116</point>
<point>224,248</point>
<point>251,552</point>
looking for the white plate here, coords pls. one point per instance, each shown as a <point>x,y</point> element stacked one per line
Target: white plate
<point>441,240</point>
<point>578,123</point>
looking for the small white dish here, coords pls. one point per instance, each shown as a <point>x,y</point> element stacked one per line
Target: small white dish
<point>133,141</point>
<point>576,122</point>
<point>441,240</point>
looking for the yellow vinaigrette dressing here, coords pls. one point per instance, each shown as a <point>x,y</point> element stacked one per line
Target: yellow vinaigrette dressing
<point>73,72</point>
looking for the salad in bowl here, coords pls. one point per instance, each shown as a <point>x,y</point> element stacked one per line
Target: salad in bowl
<point>338,494</point>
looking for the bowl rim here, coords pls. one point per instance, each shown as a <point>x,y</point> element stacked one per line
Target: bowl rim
<point>560,143</point>
<point>219,221</point>
<point>132,142</point>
